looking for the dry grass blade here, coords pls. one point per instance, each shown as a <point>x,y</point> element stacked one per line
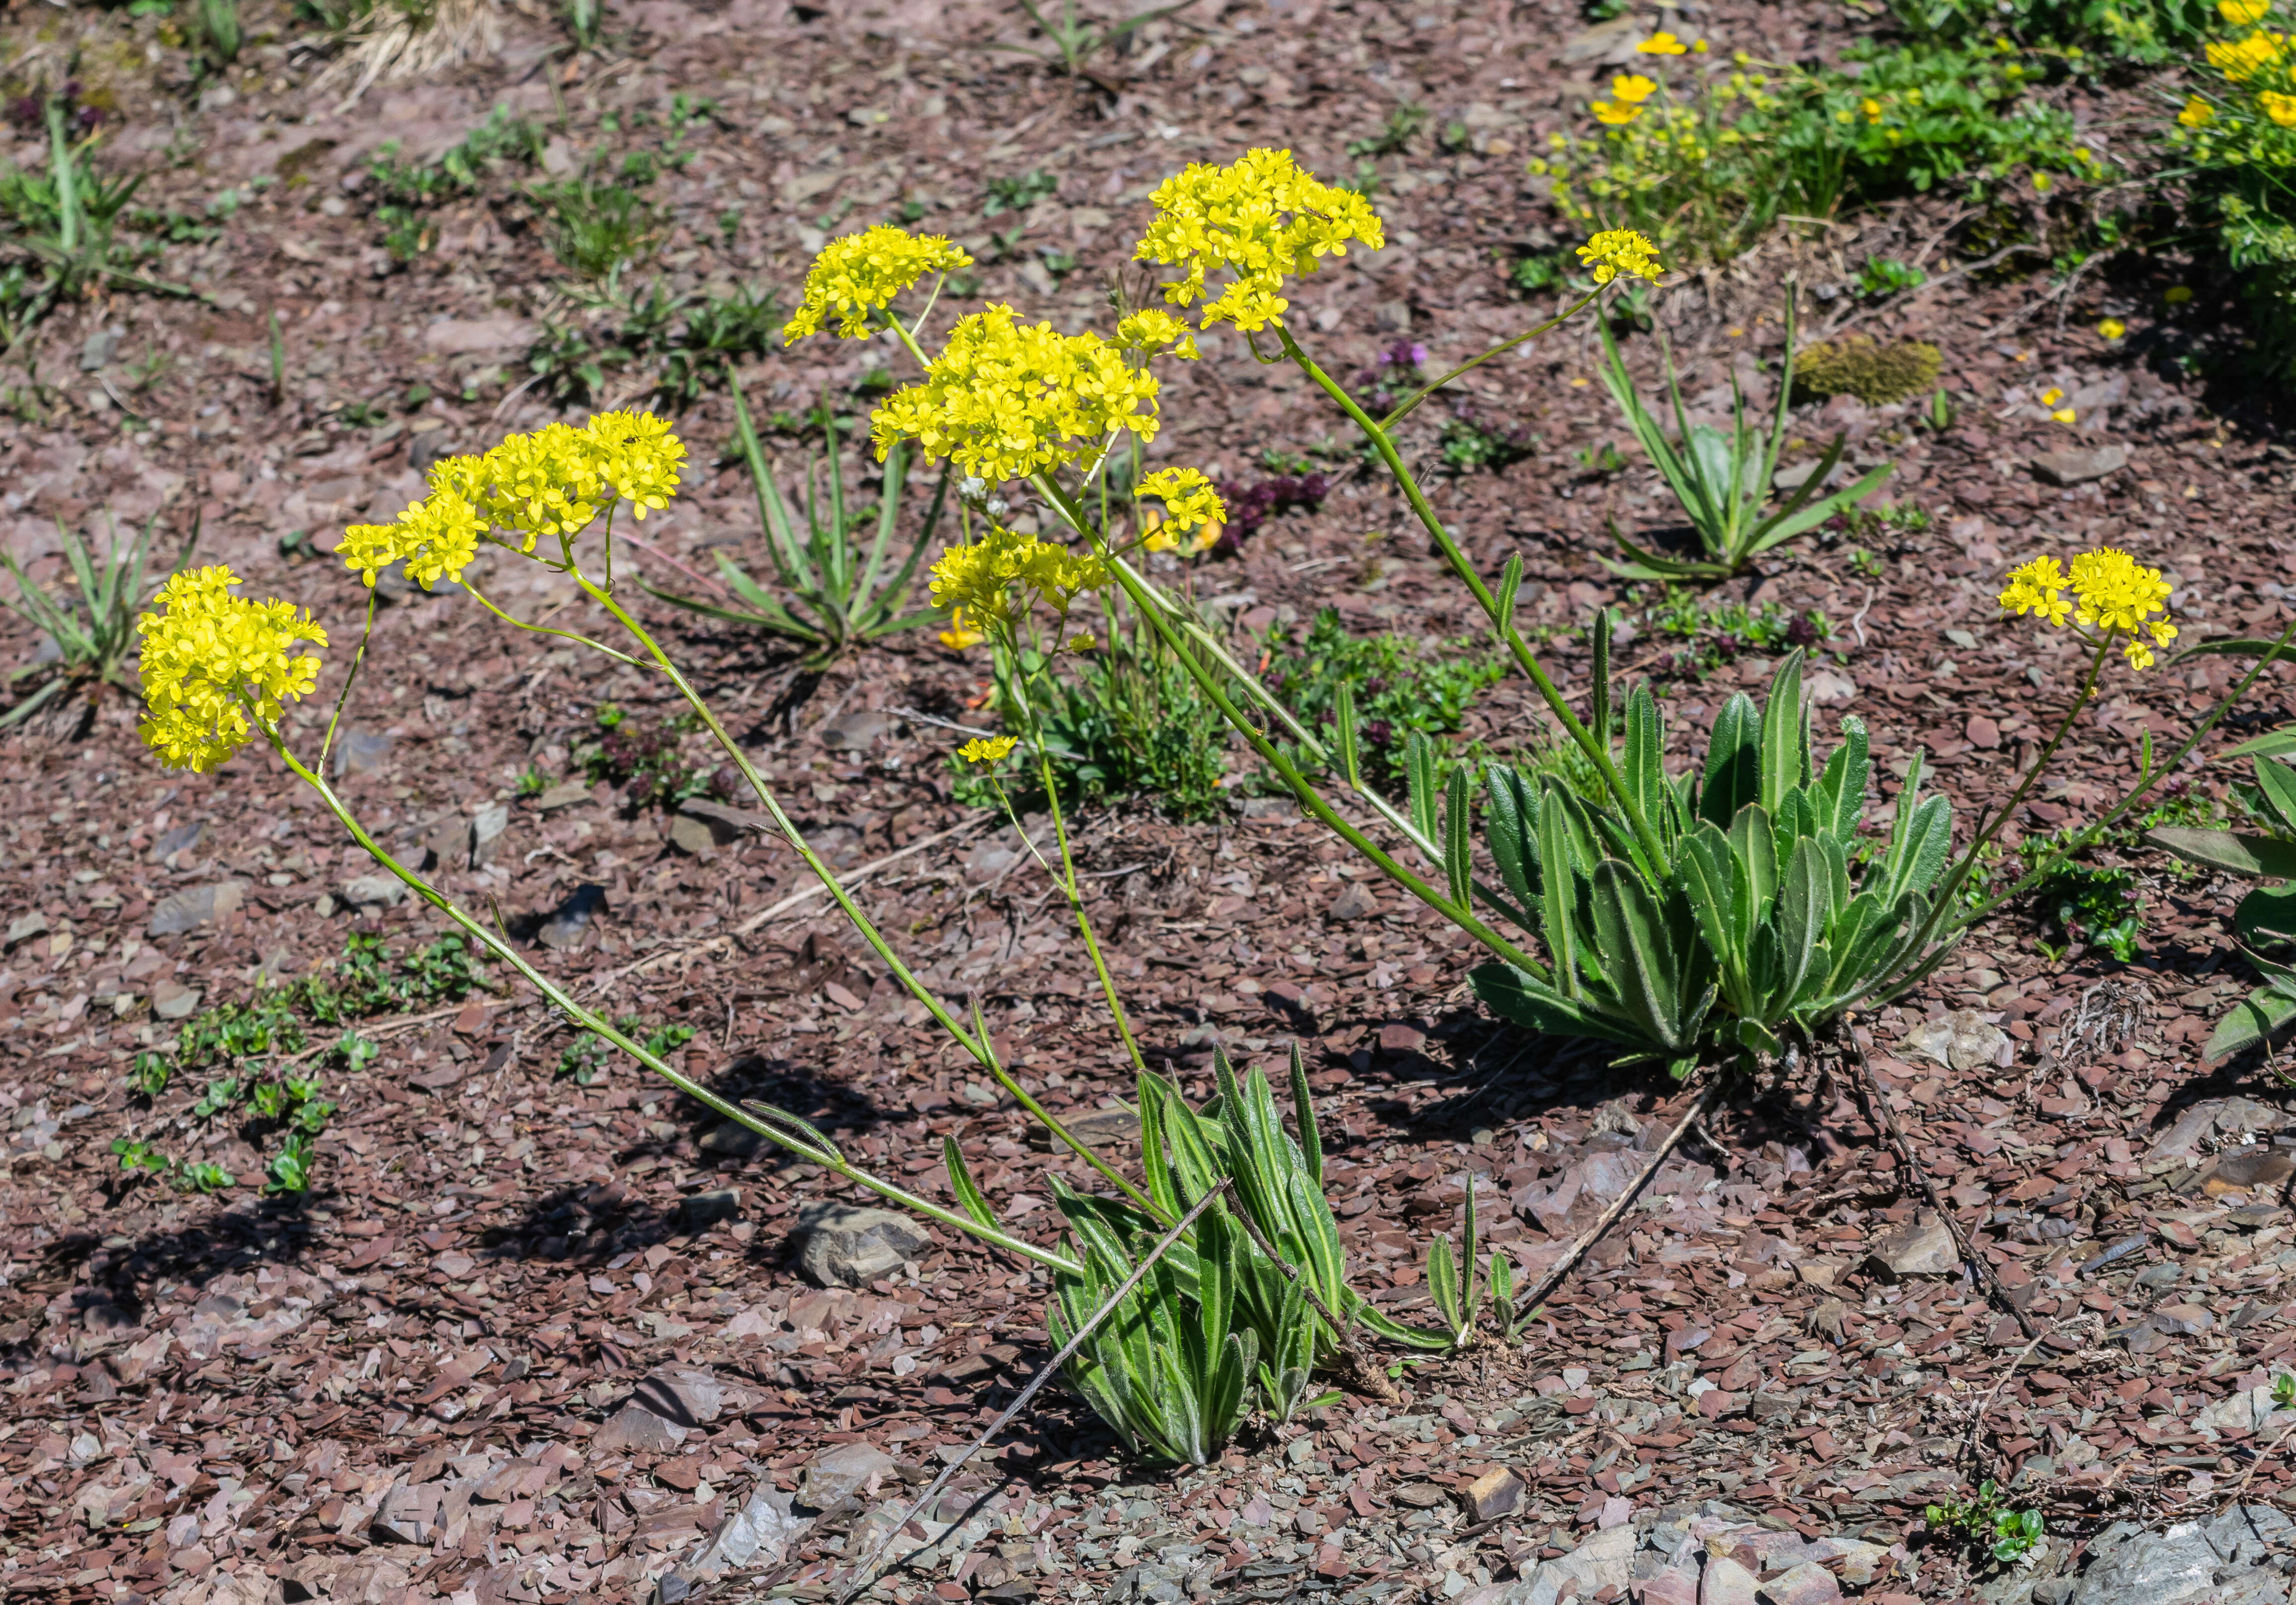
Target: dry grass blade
<point>392,43</point>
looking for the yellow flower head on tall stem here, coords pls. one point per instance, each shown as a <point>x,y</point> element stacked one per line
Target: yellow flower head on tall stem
<point>637,455</point>
<point>991,749</point>
<point>862,273</point>
<point>1617,250</point>
<point>2242,59</point>
<point>2035,588</point>
<point>1188,497</point>
<point>2280,108</point>
<point>1262,218</point>
<point>2112,592</point>
<point>1151,331</point>
<point>215,665</point>
<point>1006,400</point>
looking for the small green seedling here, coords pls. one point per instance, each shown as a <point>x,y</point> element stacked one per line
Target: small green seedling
<point>2009,1536</point>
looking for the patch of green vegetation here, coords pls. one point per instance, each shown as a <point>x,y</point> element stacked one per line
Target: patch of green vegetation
<point>1876,375</point>
<point>1018,194</point>
<point>1717,633</point>
<point>1887,276</point>
<point>1984,1522</point>
<point>1395,135</point>
<point>646,763</point>
<point>1400,685</point>
<point>2095,905</point>
<point>1538,273</point>
<point>1473,440</point>
<point>505,141</point>
<point>597,228</point>
<point>588,1052</point>
<point>689,339</point>
<point>2147,32</point>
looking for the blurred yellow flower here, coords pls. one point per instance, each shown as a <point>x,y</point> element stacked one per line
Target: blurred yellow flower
<point>2176,295</point>
<point>2244,13</point>
<point>862,273</point>
<point>2042,182</point>
<point>1662,43</point>
<point>2196,112</point>
<point>2112,328</point>
<point>987,750</point>
<point>2064,415</point>
<point>1188,497</point>
<point>2280,108</point>
<point>959,636</point>
<point>1871,108</point>
<point>1614,114</point>
<point>2242,59</point>
<point>1003,575</point>
<point>1633,88</point>
<point>2052,396</point>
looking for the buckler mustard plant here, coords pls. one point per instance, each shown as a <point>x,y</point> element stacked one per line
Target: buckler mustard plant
<point>2112,595</point>
<point>216,668</point>
<point>1261,220</point>
<point>860,274</point>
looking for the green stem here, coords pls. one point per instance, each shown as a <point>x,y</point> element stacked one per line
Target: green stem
<point>1310,799</point>
<point>1066,878</point>
<point>565,635</point>
<point>604,1027</point>
<point>1597,751</point>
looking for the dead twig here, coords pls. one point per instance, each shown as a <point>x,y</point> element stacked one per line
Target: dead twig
<point>861,1572</point>
<point>1977,1423</point>
<point>1884,1117</point>
<point>2240,1491</point>
<point>1587,1239</point>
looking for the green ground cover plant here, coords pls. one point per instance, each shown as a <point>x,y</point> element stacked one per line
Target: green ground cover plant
<point>1397,686</point>
<point>90,631</point>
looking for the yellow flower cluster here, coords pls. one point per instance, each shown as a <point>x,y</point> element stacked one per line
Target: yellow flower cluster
<point>1628,91</point>
<point>1617,250</point>
<point>1006,400</point>
<point>2244,13</point>
<point>1003,575</point>
<point>553,482</point>
<point>1188,497</point>
<point>1263,219</point>
<point>2112,591</point>
<point>1153,332</point>
<point>212,659</point>
<point>993,749</point>
<point>862,273</point>
<point>1663,43</point>
<point>2240,60</point>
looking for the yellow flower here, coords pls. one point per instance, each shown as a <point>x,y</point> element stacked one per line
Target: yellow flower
<point>1003,575</point>
<point>2244,13</point>
<point>216,665</point>
<point>638,457</point>
<point>1633,88</point>
<point>1153,332</point>
<point>2115,590</point>
<point>1264,219</point>
<point>1083,640</point>
<point>2035,589</point>
<point>2280,108</point>
<point>959,636</point>
<point>2176,295</point>
<point>987,750</point>
<point>2196,112</point>
<point>2112,328</point>
<point>2244,58</point>
<point>1617,250</point>
<point>544,483</point>
<point>1662,43</point>
<point>1006,400</point>
<point>1188,497</point>
<point>2064,415</point>
<point>2052,396</point>
<point>1615,115</point>
<point>2042,182</point>
<point>1871,108</point>
<point>861,273</point>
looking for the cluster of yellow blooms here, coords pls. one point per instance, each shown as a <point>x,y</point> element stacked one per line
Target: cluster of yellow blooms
<point>1190,503</point>
<point>1005,573</point>
<point>2112,591</point>
<point>862,273</point>
<point>1006,400</point>
<point>2261,54</point>
<point>1617,250</point>
<point>1628,91</point>
<point>991,749</point>
<point>1261,218</point>
<point>551,482</point>
<point>211,659</point>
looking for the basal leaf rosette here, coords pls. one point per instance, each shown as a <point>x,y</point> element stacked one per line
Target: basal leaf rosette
<point>1263,219</point>
<point>218,667</point>
<point>2113,596</point>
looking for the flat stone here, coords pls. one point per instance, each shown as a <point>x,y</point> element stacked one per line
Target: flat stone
<point>2177,1566</point>
<point>635,1429</point>
<point>1101,1128</point>
<point>1726,1583</point>
<point>25,926</point>
<point>733,1139</point>
<point>376,891</point>
<point>569,922</point>
<point>565,793</point>
<point>363,752</point>
<point>703,1210</point>
<point>843,1471</point>
<point>681,1395</point>
<point>758,1535</point>
<point>446,843</point>
<point>1861,1561</point>
<point>1959,1041</point>
<point>194,907</point>
<point>856,731</point>
<point>1831,686</point>
<point>171,1000</point>
<point>2182,1320</point>
<point>1809,1584</point>
<point>846,1246</point>
<point>2248,1169</point>
<point>1353,903</point>
<point>453,336</point>
<point>487,828</point>
<point>1497,1492</point>
<point>1421,1496</point>
<point>182,838</point>
<point>2252,1535</point>
<point>2077,465</point>
<point>698,837</point>
<point>1918,1248</point>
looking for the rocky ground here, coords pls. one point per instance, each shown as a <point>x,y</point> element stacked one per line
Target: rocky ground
<point>534,1339</point>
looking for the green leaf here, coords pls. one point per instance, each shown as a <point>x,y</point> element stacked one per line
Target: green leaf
<point>1643,967</point>
<point>1443,1280</point>
<point>1785,733</point>
<point>967,1193</point>
<point>1458,858</point>
<point>2277,783</point>
<point>1510,829</point>
<point>2252,1020</point>
<point>2268,911</point>
<point>1839,797</point>
<point>1805,904</point>
<point>1733,762</point>
<point>1645,771</point>
<point>2267,857</point>
<point>1303,1109</point>
<point>2272,743</point>
<point>1598,705</point>
<point>2231,647</point>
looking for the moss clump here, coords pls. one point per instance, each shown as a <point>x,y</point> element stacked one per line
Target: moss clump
<point>1876,375</point>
